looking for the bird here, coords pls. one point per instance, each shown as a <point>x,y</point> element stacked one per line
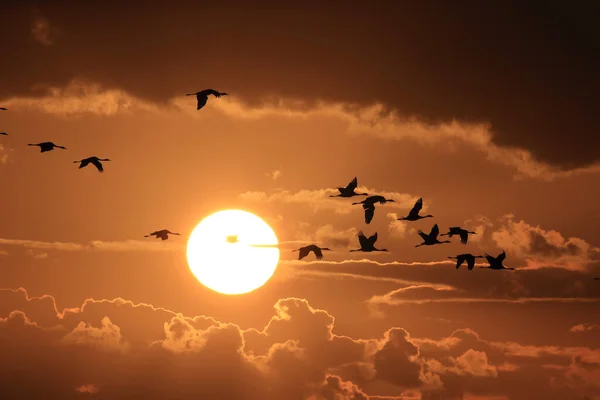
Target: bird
<point>4,133</point>
<point>457,230</point>
<point>369,205</point>
<point>3,109</point>
<point>202,96</point>
<point>94,160</point>
<point>163,234</point>
<point>496,262</point>
<point>348,191</point>
<point>232,238</point>
<point>367,244</point>
<point>413,215</point>
<point>431,238</point>
<point>469,258</point>
<point>304,251</point>
<point>46,146</point>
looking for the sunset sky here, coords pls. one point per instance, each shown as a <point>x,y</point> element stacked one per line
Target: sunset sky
<point>488,111</point>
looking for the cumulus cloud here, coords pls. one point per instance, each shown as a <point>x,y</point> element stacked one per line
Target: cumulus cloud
<point>542,248</point>
<point>585,327</point>
<point>119,349</point>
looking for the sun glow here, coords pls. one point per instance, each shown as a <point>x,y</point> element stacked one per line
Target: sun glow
<point>233,252</point>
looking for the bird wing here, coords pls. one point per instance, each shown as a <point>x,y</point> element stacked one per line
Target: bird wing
<point>98,165</point>
<point>501,256</point>
<point>369,213</point>
<point>364,242</point>
<point>202,99</point>
<point>303,252</point>
<point>423,235</point>
<point>490,259</point>
<point>207,92</point>
<point>83,163</point>
<point>470,263</point>
<point>435,231</point>
<point>464,236</point>
<point>353,184</point>
<point>373,239</point>
<point>317,252</point>
<point>459,261</point>
<point>416,208</point>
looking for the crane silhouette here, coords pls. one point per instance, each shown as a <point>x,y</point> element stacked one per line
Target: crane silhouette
<point>163,234</point>
<point>46,146</point>
<point>349,191</point>
<point>202,96</point>
<point>94,160</point>
<point>369,205</point>
<point>367,244</point>
<point>469,258</point>
<point>431,238</point>
<point>457,230</point>
<point>413,214</point>
<point>496,262</point>
<point>304,251</point>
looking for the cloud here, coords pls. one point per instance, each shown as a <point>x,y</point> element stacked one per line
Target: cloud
<point>3,154</point>
<point>152,352</point>
<point>585,327</point>
<point>275,174</point>
<point>43,32</point>
<point>95,245</point>
<point>541,248</point>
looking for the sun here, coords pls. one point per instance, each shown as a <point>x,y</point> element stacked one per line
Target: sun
<point>233,252</point>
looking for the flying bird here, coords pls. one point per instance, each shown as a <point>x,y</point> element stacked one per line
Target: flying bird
<point>46,146</point>
<point>202,96</point>
<point>469,258</point>
<point>413,214</point>
<point>304,251</point>
<point>369,205</point>
<point>457,230</point>
<point>431,238</point>
<point>496,262</point>
<point>163,234</point>
<point>94,160</point>
<point>367,244</point>
<point>349,191</point>
<point>4,133</point>
<point>3,109</point>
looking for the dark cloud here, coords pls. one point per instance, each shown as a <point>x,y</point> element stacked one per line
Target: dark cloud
<point>530,71</point>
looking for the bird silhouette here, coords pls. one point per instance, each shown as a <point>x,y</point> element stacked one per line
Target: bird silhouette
<point>496,262</point>
<point>349,191</point>
<point>202,96</point>
<point>163,234</point>
<point>413,215</point>
<point>367,244</point>
<point>469,258</point>
<point>4,133</point>
<point>457,230</point>
<point>431,238</point>
<point>94,160</point>
<point>3,109</point>
<point>46,146</point>
<point>369,205</point>
<point>232,238</point>
<point>304,251</point>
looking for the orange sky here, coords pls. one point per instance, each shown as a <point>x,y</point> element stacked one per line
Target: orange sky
<point>318,94</point>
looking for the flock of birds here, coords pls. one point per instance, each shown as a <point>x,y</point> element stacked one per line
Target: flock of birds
<point>367,244</point>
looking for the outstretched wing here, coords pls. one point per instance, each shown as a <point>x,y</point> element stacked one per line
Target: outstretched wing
<point>459,261</point>
<point>98,165</point>
<point>416,208</point>
<point>423,235</point>
<point>470,263</point>
<point>464,236</point>
<point>364,242</point>
<point>303,252</point>
<point>352,185</point>
<point>435,231</point>
<point>202,99</point>
<point>501,256</point>
<point>317,252</point>
<point>369,213</point>
<point>373,239</point>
